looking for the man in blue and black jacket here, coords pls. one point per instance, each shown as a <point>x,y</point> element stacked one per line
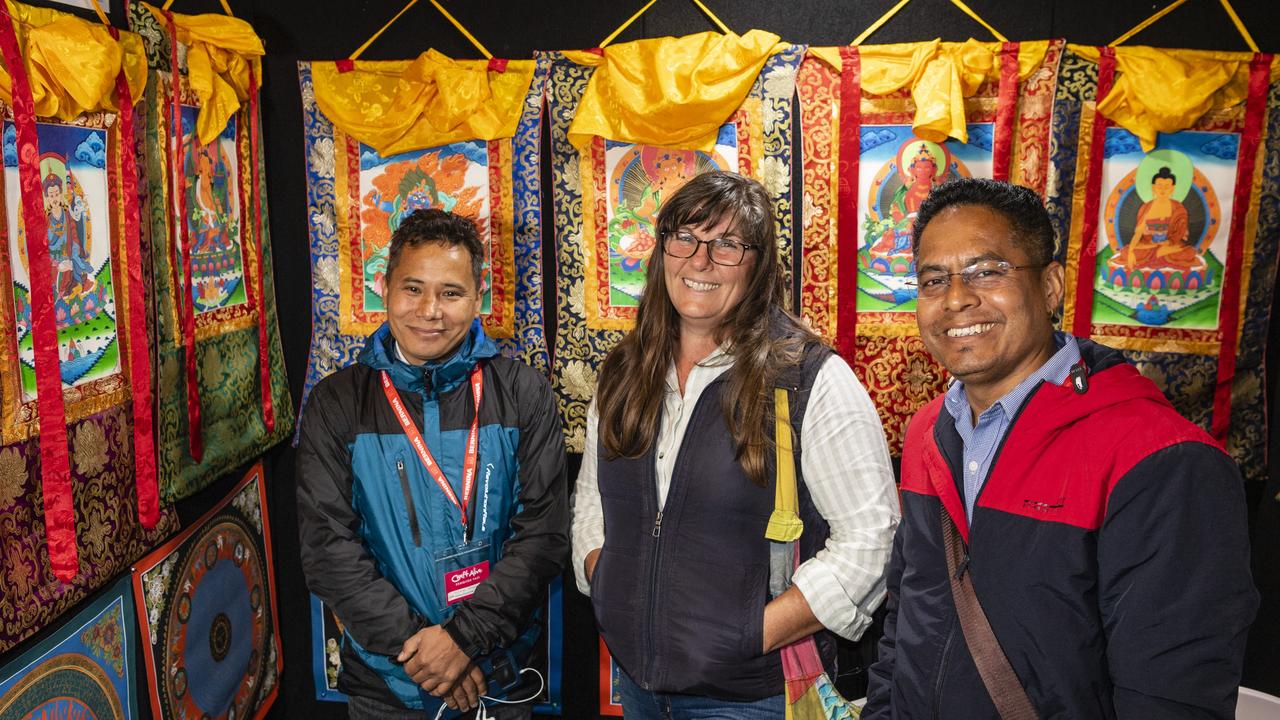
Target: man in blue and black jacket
<point>432,501</point>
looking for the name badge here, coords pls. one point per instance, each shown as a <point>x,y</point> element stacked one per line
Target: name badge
<point>461,584</point>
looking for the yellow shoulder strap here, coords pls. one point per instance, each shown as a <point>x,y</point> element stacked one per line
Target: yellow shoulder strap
<point>785,524</point>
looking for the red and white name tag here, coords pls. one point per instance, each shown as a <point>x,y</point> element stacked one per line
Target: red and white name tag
<point>461,584</point>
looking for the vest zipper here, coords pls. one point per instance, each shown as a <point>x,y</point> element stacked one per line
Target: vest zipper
<point>408,499</point>
<point>657,525</point>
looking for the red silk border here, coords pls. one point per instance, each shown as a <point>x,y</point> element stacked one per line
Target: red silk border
<point>186,305</point>
<point>1006,112</point>
<point>264,361</point>
<point>847,202</point>
<point>139,348</point>
<point>1083,324</point>
<point>55,462</point>
<point>1229,320</point>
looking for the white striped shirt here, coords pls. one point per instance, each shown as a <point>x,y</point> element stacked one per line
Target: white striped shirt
<point>845,466</point>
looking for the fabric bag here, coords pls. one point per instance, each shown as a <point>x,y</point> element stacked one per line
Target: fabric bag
<point>810,693</point>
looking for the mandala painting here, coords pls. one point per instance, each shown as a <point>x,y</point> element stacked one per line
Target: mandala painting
<point>86,669</point>
<point>206,603</point>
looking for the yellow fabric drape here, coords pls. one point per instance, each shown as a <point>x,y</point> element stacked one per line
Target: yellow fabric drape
<point>408,105</point>
<point>1159,90</point>
<point>73,63</point>
<point>220,51</point>
<point>674,92</point>
<point>940,74</point>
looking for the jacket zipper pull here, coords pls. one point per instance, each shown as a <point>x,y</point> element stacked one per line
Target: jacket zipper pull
<point>657,525</point>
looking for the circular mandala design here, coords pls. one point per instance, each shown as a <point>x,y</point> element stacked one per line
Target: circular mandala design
<point>219,639</point>
<point>71,683</point>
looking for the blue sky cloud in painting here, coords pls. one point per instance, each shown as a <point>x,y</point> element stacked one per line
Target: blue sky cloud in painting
<point>1121,142</point>
<point>875,137</point>
<point>981,136</point>
<point>10,146</point>
<point>1222,146</point>
<point>92,151</point>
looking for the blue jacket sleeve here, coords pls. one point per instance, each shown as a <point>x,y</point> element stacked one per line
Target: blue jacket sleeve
<point>880,675</point>
<point>1174,587</point>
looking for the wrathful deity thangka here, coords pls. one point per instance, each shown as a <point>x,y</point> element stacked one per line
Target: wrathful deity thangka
<point>454,177</point>
<point>640,177</point>
<point>74,186</point>
<point>900,171</point>
<point>1161,257</point>
<point>213,216</point>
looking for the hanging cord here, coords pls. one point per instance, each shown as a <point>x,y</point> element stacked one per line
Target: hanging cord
<point>483,714</point>
<point>902,3</point>
<point>102,16</point>
<point>225,7</point>
<point>452,20</point>
<point>1226,5</point>
<point>706,10</point>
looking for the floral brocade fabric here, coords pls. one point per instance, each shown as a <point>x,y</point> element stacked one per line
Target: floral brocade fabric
<point>605,200</point>
<point>108,533</point>
<point>225,274</point>
<point>356,198</point>
<point>1157,291</point>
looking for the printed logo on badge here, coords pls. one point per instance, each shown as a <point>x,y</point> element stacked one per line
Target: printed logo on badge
<point>462,583</point>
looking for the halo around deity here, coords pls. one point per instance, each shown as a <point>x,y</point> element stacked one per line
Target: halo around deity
<point>1178,163</point>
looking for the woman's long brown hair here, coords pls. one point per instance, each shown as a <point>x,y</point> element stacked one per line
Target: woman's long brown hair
<point>762,337</point>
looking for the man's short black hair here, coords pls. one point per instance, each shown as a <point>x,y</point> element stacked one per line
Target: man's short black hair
<point>1020,206</point>
<point>433,225</point>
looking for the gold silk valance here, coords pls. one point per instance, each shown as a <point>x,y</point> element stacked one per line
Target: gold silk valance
<point>406,105</point>
<point>940,75</point>
<point>1159,90</point>
<point>73,63</point>
<point>672,92</point>
<point>221,51</point>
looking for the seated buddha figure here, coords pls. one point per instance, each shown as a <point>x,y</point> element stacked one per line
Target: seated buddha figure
<point>1161,237</point>
<point>922,176</point>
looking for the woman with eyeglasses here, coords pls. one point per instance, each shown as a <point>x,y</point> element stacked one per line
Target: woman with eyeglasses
<point>678,478</point>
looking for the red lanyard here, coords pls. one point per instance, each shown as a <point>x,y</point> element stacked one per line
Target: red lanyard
<point>420,445</point>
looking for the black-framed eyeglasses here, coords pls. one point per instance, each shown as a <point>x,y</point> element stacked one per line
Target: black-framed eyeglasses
<point>984,275</point>
<point>721,251</point>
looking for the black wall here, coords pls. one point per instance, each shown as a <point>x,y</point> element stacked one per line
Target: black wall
<point>331,29</point>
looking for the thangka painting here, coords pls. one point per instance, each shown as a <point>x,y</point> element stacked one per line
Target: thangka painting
<point>547,658</point>
<point>1171,250</point>
<point>866,171</point>
<point>79,166</point>
<point>610,696</point>
<point>86,669</point>
<point>606,201</point>
<point>356,199</point>
<point>218,407</point>
<point>207,609</point>
<point>326,651</point>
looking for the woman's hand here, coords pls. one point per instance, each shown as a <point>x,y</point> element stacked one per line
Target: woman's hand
<point>589,563</point>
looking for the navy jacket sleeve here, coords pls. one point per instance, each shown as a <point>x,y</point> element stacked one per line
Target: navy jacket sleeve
<point>1175,591</point>
<point>880,675</point>
<point>539,546</point>
<point>338,567</point>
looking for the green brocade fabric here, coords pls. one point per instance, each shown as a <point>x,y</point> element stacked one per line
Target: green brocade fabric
<point>219,208</point>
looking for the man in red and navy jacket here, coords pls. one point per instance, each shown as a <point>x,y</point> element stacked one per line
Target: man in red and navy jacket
<point>1105,536</point>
